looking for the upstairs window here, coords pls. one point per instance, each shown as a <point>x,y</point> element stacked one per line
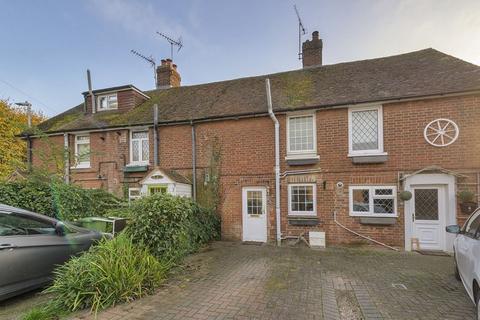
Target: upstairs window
<point>107,102</point>
<point>302,199</point>
<point>82,151</point>
<point>373,201</point>
<point>365,126</point>
<point>139,147</point>
<point>301,137</point>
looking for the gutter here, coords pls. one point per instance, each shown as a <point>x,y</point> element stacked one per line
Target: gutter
<point>277,161</point>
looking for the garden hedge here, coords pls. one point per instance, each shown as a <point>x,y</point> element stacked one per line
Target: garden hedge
<point>57,199</point>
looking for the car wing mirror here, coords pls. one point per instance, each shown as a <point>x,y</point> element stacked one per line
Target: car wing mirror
<point>453,229</point>
<point>60,228</point>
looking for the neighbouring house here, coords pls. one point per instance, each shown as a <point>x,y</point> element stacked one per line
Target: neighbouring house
<point>378,146</point>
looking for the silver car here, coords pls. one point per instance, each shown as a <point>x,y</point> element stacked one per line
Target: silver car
<point>32,245</point>
<point>467,256</point>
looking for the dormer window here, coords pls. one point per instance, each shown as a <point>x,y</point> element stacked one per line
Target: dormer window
<point>107,102</point>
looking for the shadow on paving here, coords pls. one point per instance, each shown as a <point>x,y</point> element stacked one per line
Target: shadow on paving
<point>235,281</point>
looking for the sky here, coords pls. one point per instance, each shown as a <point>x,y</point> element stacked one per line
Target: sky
<point>48,45</point>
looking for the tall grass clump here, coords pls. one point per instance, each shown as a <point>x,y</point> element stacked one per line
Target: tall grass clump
<point>114,271</point>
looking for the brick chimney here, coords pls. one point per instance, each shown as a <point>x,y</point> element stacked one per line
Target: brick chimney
<point>312,51</point>
<point>167,75</point>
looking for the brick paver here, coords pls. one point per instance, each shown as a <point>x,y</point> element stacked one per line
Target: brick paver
<point>235,281</point>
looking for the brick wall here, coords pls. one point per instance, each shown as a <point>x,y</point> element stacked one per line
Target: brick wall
<point>247,159</point>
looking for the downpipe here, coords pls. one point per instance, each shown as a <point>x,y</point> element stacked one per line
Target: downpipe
<point>360,235</point>
<point>277,162</point>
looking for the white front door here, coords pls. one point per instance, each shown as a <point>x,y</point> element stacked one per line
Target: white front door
<point>428,215</point>
<point>254,201</point>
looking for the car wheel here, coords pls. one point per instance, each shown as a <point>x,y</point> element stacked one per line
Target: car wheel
<point>455,266</point>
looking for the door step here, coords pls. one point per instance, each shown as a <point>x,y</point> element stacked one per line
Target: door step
<point>434,253</point>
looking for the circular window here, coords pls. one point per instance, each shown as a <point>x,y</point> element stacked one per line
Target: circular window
<point>441,132</point>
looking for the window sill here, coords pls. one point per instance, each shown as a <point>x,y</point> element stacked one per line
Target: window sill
<point>369,158</point>
<point>367,154</point>
<point>81,166</point>
<point>359,215</point>
<point>382,221</point>
<point>136,164</point>
<point>302,159</point>
<point>305,220</point>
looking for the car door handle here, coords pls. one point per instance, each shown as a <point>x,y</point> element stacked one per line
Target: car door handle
<point>5,246</point>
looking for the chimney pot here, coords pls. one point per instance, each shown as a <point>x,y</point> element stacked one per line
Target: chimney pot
<point>312,51</point>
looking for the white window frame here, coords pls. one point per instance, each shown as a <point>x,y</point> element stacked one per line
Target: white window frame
<point>299,154</point>
<point>379,150</point>
<point>115,107</point>
<point>371,197</point>
<point>130,197</point>
<point>140,162</point>
<point>86,164</point>
<point>302,213</point>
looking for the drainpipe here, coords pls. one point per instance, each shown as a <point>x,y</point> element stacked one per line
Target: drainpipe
<point>66,158</point>
<point>155,135</point>
<point>194,163</point>
<point>277,162</point>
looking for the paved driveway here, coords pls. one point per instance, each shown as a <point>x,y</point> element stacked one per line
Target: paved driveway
<point>234,281</point>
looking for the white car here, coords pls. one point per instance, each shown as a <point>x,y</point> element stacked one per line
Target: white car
<point>466,249</point>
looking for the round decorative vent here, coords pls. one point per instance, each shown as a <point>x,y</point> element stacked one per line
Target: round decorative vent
<point>441,132</point>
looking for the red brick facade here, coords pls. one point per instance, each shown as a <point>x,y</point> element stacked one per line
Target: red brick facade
<point>246,149</point>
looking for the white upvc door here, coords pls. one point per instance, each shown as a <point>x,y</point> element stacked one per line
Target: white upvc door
<point>429,216</point>
<point>254,214</point>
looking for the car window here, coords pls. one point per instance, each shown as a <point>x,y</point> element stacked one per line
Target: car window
<point>12,225</point>
<point>472,228</point>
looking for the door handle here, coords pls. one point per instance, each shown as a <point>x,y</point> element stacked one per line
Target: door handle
<point>413,216</point>
<point>5,246</point>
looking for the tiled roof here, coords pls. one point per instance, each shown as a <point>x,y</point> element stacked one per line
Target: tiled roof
<point>416,74</point>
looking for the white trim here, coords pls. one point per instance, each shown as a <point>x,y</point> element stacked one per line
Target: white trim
<point>435,179</point>
<point>140,162</point>
<point>302,213</point>
<point>314,132</point>
<point>107,96</point>
<point>81,165</point>
<point>379,151</point>
<point>371,197</point>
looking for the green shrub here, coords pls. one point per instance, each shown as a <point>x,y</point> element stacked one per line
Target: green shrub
<point>56,199</point>
<point>73,202</point>
<point>171,226</point>
<point>114,271</point>
<point>29,195</point>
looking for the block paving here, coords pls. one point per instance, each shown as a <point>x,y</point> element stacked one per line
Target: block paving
<point>237,281</point>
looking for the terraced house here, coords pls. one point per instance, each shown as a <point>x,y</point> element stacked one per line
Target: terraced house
<point>377,147</point>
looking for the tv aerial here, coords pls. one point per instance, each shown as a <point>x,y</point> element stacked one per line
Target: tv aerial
<point>178,43</point>
<point>150,60</point>
<point>301,32</point>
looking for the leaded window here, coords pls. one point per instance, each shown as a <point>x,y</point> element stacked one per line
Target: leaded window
<point>365,130</point>
<point>139,147</point>
<point>372,201</point>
